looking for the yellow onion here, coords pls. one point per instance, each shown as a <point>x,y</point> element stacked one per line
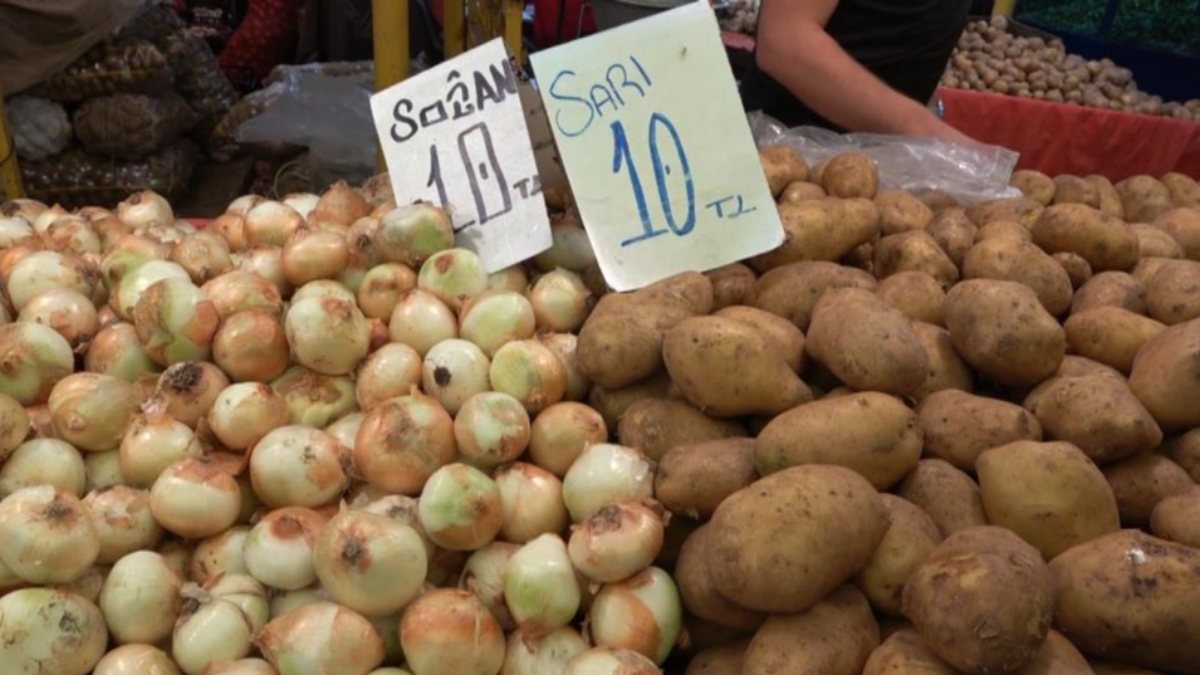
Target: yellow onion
<point>412,233</point>
<point>153,442</point>
<point>128,254</point>
<point>23,207</point>
<point>14,425</point>
<point>313,399</point>
<point>195,498</point>
<point>392,370</point>
<point>303,202</point>
<point>116,351</point>
<point>41,222</point>
<point>360,242</point>
<point>145,209</point>
<point>560,434</point>
<point>231,228</point>
<point>91,411</point>
<point>72,235</point>
<point>271,223</point>
<point>175,322</point>
<point>107,225</point>
<point>283,602</point>
<point>9,258</point>
<point>399,508</point>
<point>450,632</point>
<point>345,430</point>
<point>220,554</point>
<point>204,255</point>
<point>460,508</point>
<point>496,318</point>
<point>242,667</point>
<point>297,466</point>
<point>544,655</point>
<point>606,474</point>
<point>134,284</point>
<point>323,288</point>
<point>491,429</point>
<point>453,372</point>
<point>136,660</point>
<point>123,521</point>
<point>455,276</point>
<point>242,205</point>
<point>178,554</point>
<point>483,575</point>
<point>617,541</point>
<point>46,536</point>
<point>531,498</point>
<point>403,442</point>
<point>382,287</point>
<point>540,587</point>
<point>210,631</point>
<point>528,371</point>
<point>88,585</point>
<point>244,413</point>
<point>609,661</point>
<point>514,279</point>
<point>372,564</point>
<point>140,598</point>
<point>251,346</point>
<point>339,206</point>
<point>187,391</point>
<point>44,461</point>
<point>651,597</point>
<point>245,592</point>
<point>327,335</point>
<point>388,629</point>
<point>40,271</point>
<point>421,321</point>
<point>560,301</point>
<point>103,469</point>
<point>40,425</point>
<point>571,249</point>
<point>312,254</point>
<point>279,549</point>
<point>15,231</point>
<point>266,262</point>
<point>352,279</point>
<point>107,316</point>
<point>239,291</point>
<point>50,631</point>
<point>321,638</point>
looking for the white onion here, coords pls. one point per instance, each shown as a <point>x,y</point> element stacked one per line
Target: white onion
<point>34,358</point>
<point>46,631</point>
<point>560,434</point>
<point>529,372</point>
<point>513,278</point>
<point>460,508</point>
<point>496,318</point>
<point>140,598</point>
<point>145,209</point>
<point>321,638</point>
<point>152,443</point>
<point>453,372</point>
<point>283,602</point>
<point>242,667</point>
<point>382,287</point>
<point>372,564</point>
<point>266,262</point>
<point>388,629</point>
<point>345,430</point>
<point>116,351</point>
<point>360,240</point>
<point>392,370</point>
<point>103,470</point>
<point>279,549</point>
<point>617,541</point>
<point>606,474</point>
<point>136,660</point>
<point>44,461</point>
<point>545,655</point>
<point>652,597</point>
<point>218,555</point>
<point>251,346</point>
<point>177,553</point>
<point>540,587</point>
<point>492,429</point>
<point>244,413</point>
<point>128,254</point>
<point>402,442</point>
<point>14,425</point>
<point>560,301</point>
<point>175,322</point>
<point>302,202</point>
<point>89,585</point>
<point>240,291</point>
<point>41,271</point>
<point>123,521</point>
<point>209,633</point>
<point>389,671</point>
<point>26,208</point>
<point>297,466</point>
<point>15,231</point>
<point>46,536</point>
<point>68,312</point>
<point>421,321</point>
<point>531,498</point>
<point>203,255</point>
<point>244,591</point>
<point>188,390</point>
<point>313,399</point>
<point>72,235</point>
<point>195,498</point>
<point>450,632</point>
<point>571,248</point>
<point>483,575</point>
<point>270,223</point>
<point>231,228</point>
<point>454,275</point>
<point>40,425</point>
<point>609,661</point>
<point>91,411</point>
<point>312,254</point>
<point>412,233</point>
<point>339,206</point>
<point>352,278</point>
<point>133,285</point>
<point>323,288</point>
<point>242,205</point>
<point>328,335</point>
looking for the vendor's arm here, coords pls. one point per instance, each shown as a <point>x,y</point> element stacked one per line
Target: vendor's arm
<point>794,49</point>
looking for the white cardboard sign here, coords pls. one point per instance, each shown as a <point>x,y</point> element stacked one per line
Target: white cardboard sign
<point>455,135</point>
<point>655,142</point>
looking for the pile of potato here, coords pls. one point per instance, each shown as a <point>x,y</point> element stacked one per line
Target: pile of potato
<point>989,58</point>
<point>923,438</point>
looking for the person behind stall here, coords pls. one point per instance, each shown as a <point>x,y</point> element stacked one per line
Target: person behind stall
<point>855,65</point>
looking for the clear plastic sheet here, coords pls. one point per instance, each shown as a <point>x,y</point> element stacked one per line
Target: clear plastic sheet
<point>969,173</point>
<point>40,127</point>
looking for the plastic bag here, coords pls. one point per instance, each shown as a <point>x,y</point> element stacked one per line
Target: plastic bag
<point>40,127</point>
<point>969,173</point>
<point>76,179</point>
<point>110,68</point>
<point>223,144</point>
<point>131,126</point>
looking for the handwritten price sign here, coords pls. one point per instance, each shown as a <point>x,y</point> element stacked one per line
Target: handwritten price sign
<point>455,135</point>
<point>657,149</point>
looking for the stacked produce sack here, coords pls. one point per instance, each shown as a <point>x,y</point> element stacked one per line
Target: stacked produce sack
<point>317,438</point>
<point>121,117</point>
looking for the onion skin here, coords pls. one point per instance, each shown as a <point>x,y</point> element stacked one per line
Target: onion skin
<point>513,278</point>
<point>455,371</point>
<point>571,250</point>
<point>297,466</point>
<point>203,255</point>
<point>617,541</point>
<point>48,631</point>
<point>328,335</point>
<point>403,442</point>
<point>530,373</point>
<point>492,429</point>
<point>412,233</point>
<point>188,390</point>
<point>46,536</point>
<point>460,508</point>
<point>145,209</point>
<point>243,667</point>
<point>123,522</point>
<point>240,291</point>
<point>231,228</point>
<point>454,275</point>
<point>543,655</point>
<point>219,555</point>
<point>496,318</point>
<point>643,614</point>
<point>531,498</point>
<point>393,370</point>
<point>450,632</point>
<point>271,223</point>
<point>540,586</point>
<point>68,312</point>
<point>606,474</point>
<point>560,434</point>
<point>91,411</point>
<point>14,425</point>
<point>278,550</point>
<point>321,638</point>
<point>561,301</point>
<point>133,285</point>
<point>371,564</point>
<point>244,413</point>
<point>314,254</point>
<point>44,461</point>
<point>33,358</point>
<point>421,321</point>
<point>339,206</point>
<point>116,351</point>
<point>140,599</point>
<point>382,287</point>
<point>313,399</point>
<point>208,633</point>
<point>175,322</point>
<point>609,661</point>
<point>151,444</point>
<point>136,660</point>
<point>251,346</point>
<point>195,498</point>
<point>483,575</point>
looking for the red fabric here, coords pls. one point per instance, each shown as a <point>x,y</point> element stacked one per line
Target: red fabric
<point>1057,138</point>
<point>266,38</point>
<point>549,30</point>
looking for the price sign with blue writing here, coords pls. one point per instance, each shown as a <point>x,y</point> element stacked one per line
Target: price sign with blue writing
<point>455,135</point>
<point>657,149</point>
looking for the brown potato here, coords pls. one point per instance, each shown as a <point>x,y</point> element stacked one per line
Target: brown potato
<point>1022,262</point>
<point>1146,268</point>
<point>899,212</point>
<point>792,291</point>
<point>1144,198</point>
<point>1070,189</point>
<point>782,166</point>
<point>1078,270</point>
<point>935,199</point>
<point>1156,243</point>
<point>975,578</point>
<point>1104,241</point>
<point>914,251</point>
<point>946,368</point>
<point>784,337</point>
<point>816,230</point>
<point>1098,413</point>
<point>1057,657</point>
<point>1115,289</point>
<point>862,258</point>
<point>814,527</point>
<point>909,540</point>
<point>1050,494</point>
<point>1101,668</point>
<point>1173,293</point>
<point>696,589</point>
<point>959,426</point>
<point>723,660</point>
<point>954,232</point>
<point>1108,197</point>
<point>835,637</point>
<point>865,343</point>
<point>1020,209</point>
<point>916,294</point>
<point>1184,190</point>
<point>1141,482</point>
<point>692,480</point>
<point>1001,329</point>
<point>656,425</point>
<point>816,172</point>
<point>905,653</point>
<point>612,403</point>
<point>1133,598</point>
<point>947,494</point>
<point>801,191</point>
<point>874,434</point>
<point>1003,229</point>
<point>732,284</point>
<point>850,174</point>
<point>1184,450</point>
<point>1111,335</point>
<point>726,368</point>
<point>1177,518</point>
<point>1166,376</point>
<point>1036,185</point>
<point>859,213</point>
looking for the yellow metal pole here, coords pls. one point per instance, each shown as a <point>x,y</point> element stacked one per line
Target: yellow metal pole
<point>1004,8</point>
<point>389,19</point>
<point>454,28</point>
<point>514,15</point>
<point>10,173</point>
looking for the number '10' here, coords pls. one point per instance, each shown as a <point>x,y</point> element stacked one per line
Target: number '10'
<point>623,157</point>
